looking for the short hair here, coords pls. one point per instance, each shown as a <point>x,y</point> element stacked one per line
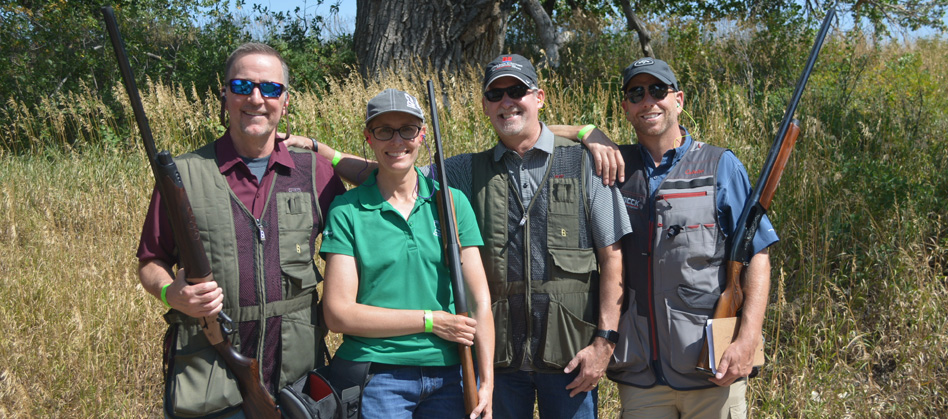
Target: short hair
<point>256,48</point>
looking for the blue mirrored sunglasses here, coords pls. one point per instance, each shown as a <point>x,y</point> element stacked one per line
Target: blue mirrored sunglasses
<point>267,88</point>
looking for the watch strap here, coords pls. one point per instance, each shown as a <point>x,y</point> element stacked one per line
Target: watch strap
<point>610,335</point>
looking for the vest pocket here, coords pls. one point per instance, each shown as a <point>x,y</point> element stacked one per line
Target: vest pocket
<point>199,381</point>
<point>299,277</point>
<point>572,263</point>
<point>295,215</point>
<point>503,345</point>
<point>566,335</point>
<point>631,353</point>
<point>298,342</point>
<point>686,335</point>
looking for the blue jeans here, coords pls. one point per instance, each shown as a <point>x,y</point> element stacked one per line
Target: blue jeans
<point>514,395</point>
<point>414,392</point>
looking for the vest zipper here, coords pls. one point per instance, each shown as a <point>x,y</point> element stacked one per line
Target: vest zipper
<point>680,195</point>
<point>263,236</point>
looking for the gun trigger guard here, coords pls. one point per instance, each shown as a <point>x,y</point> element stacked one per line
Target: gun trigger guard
<point>227,324</point>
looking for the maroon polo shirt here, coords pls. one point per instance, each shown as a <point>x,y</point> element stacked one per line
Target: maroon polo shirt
<point>157,241</point>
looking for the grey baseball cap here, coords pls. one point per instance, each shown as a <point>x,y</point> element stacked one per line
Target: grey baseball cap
<point>653,66</point>
<point>511,65</point>
<point>392,100</point>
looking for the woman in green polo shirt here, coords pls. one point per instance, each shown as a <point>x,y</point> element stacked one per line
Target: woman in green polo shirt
<point>387,288</point>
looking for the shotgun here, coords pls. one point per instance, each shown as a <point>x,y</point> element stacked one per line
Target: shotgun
<point>257,401</point>
<point>739,248</point>
<point>452,250</point>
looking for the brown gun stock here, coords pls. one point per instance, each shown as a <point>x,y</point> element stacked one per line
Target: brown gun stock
<point>257,401</point>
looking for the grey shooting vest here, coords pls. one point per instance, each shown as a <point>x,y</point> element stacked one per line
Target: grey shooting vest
<point>673,270</point>
<point>539,259</point>
<point>267,272</point>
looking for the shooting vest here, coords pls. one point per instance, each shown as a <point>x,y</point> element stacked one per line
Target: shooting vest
<point>539,259</point>
<point>673,270</point>
<point>266,270</point>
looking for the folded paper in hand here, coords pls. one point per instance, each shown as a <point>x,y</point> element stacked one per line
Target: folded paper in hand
<point>721,332</point>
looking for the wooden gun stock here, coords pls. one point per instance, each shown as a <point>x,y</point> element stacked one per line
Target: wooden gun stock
<point>192,257</point>
<point>452,250</point>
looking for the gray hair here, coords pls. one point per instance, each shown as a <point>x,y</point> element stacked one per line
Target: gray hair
<point>256,48</point>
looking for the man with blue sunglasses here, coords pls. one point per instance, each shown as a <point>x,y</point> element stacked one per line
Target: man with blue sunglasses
<point>259,207</point>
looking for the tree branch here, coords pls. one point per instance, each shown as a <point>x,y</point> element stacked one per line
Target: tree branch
<point>633,23</point>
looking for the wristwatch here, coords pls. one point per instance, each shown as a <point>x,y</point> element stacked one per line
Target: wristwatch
<point>610,335</point>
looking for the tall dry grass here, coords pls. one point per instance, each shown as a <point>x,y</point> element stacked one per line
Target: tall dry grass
<point>857,321</point>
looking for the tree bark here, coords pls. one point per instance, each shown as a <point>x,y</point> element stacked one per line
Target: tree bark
<point>633,23</point>
<point>447,34</point>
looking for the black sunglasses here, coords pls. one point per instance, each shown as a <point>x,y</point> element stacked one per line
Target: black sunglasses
<point>516,91</point>
<point>408,132</point>
<point>267,88</point>
<point>657,91</point>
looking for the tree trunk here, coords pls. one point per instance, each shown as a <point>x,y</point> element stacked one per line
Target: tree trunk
<point>633,23</point>
<point>447,34</point>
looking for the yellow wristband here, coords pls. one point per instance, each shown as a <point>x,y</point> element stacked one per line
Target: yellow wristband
<point>336,157</point>
<point>429,321</point>
<point>585,130</point>
<point>164,295</point>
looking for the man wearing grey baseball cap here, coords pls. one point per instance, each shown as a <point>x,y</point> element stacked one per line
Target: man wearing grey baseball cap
<point>548,222</point>
<point>386,287</point>
<point>546,219</point>
<point>684,198</point>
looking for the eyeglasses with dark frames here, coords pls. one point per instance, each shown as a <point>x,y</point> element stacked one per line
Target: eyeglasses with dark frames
<point>267,88</point>
<point>407,132</point>
<point>516,91</point>
<point>657,91</point>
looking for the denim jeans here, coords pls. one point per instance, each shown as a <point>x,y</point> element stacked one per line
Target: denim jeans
<point>514,395</point>
<point>414,392</point>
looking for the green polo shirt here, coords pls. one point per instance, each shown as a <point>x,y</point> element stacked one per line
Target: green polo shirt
<point>401,265</point>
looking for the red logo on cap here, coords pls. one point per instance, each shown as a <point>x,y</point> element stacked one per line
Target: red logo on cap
<point>508,58</point>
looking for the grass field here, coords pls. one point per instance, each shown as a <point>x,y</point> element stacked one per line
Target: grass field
<point>858,320</point>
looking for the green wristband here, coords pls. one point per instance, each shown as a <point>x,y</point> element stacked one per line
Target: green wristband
<point>429,321</point>
<point>336,157</point>
<point>585,130</point>
<point>164,295</point>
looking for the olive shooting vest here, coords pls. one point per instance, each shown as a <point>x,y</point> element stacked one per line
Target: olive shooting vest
<point>266,269</point>
<point>673,270</point>
<point>539,258</point>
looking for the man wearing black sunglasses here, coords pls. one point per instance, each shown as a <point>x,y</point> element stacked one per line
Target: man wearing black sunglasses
<point>684,198</point>
<point>547,220</point>
<point>259,207</point>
